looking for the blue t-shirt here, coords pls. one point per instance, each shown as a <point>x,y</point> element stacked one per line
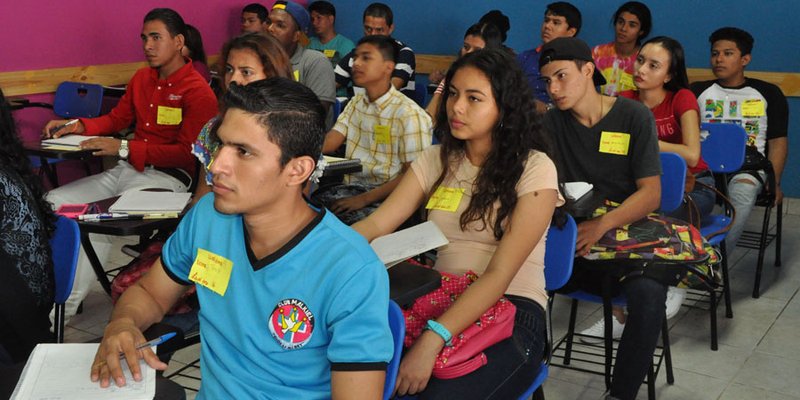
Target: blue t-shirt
<point>529,62</point>
<point>319,303</point>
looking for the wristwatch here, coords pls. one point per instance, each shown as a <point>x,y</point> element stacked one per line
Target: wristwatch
<point>123,150</point>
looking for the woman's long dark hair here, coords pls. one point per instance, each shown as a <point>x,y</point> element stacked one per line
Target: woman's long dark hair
<point>677,62</point>
<point>12,157</point>
<point>518,131</point>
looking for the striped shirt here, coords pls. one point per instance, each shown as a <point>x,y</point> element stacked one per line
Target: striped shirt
<point>383,134</point>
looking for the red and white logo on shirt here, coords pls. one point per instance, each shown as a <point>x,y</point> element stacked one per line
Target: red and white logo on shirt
<point>291,323</point>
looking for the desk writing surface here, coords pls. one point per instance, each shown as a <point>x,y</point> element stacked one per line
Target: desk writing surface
<point>61,372</point>
<point>37,148</point>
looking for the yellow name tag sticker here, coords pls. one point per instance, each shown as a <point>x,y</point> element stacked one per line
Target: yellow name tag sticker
<point>297,75</point>
<point>615,143</point>
<point>383,134</point>
<point>753,108</point>
<point>169,115</point>
<point>445,199</point>
<point>212,271</point>
<point>329,53</point>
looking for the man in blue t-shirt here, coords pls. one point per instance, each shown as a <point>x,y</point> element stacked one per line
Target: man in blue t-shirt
<point>293,303</point>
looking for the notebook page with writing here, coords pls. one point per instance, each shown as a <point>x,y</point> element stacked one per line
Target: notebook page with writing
<point>67,140</point>
<point>61,372</point>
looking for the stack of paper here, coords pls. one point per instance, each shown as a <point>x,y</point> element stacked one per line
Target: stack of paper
<point>61,372</point>
<point>143,202</point>
<point>576,190</point>
<point>399,246</point>
<point>66,140</point>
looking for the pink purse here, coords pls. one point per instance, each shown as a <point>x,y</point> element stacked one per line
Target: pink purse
<point>466,354</point>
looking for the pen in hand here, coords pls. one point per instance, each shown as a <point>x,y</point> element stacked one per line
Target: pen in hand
<point>60,127</point>
<point>151,343</point>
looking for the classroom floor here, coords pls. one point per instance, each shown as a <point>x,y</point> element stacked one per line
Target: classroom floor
<point>758,356</point>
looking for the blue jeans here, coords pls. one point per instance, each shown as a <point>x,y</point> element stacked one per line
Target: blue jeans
<point>512,363</point>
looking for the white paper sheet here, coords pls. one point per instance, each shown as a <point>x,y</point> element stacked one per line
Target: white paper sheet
<point>576,190</point>
<point>143,202</point>
<point>61,372</point>
<point>398,246</point>
<point>67,140</point>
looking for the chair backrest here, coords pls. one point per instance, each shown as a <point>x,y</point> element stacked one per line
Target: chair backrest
<point>420,93</point>
<point>336,110</point>
<point>559,254</point>
<point>397,324</point>
<point>673,181</point>
<point>78,100</point>
<point>723,148</point>
<point>65,245</point>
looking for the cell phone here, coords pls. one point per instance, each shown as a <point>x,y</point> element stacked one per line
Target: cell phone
<point>72,210</point>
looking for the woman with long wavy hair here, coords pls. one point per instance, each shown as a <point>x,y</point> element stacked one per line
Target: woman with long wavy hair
<point>496,190</point>
<point>26,268</point>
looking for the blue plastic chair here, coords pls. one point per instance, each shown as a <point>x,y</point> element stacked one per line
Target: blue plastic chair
<point>337,109</point>
<point>397,324</point>
<point>723,150</point>
<point>673,179</point>
<point>65,245</point>
<point>420,94</point>
<point>558,259</point>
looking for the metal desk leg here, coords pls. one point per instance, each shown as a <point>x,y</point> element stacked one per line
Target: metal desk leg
<point>95,262</point>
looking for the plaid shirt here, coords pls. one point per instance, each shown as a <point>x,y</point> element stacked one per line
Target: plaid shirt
<point>383,134</point>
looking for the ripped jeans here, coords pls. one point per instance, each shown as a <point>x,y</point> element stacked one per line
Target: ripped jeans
<point>743,197</point>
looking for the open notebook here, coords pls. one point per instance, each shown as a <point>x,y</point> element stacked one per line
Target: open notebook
<point>399,246</point>
<point>61,372</point>
<point>144,202</point>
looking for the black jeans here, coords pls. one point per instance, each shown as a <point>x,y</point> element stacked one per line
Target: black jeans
<point>512,363</point>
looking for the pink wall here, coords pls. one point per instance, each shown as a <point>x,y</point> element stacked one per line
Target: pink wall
<point>65,33</point>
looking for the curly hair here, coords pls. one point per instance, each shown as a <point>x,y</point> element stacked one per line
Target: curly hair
<point>12,157</point>
<point>518,131</point>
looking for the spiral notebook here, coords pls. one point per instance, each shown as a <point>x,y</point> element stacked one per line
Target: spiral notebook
<point>144,202</point>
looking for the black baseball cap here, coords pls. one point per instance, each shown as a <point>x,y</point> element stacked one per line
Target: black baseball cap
<point>569,48</point>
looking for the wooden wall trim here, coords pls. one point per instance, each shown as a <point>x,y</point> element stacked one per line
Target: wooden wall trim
<point>18,83</point>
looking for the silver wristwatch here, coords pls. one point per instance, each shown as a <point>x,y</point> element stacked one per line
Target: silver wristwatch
<point>123,150</point>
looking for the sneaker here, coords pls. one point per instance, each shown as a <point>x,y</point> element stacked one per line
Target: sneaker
<point>595,332</point>
<point>675,298</point>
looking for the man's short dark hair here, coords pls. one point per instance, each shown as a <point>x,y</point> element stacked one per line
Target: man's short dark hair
<point>568,11</point>
<point>379,10</point>
<point>171,19</point>
<point>322,7</point>
<point>386,46</point>
<point>256,9</point>
<point>290,112</point>
<point>744,41</point>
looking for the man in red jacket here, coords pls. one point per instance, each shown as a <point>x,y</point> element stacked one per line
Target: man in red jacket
<point>169,102</point>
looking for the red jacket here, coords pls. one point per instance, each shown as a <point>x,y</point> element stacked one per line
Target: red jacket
<point>184,102</point>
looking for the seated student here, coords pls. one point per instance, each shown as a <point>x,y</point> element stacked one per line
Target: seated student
<point>632,23</point>
<point>477,37</point>
<point>170,102</point>
<point>499,159</point>
<point>561,19</point>
<point>26,264</point>
<point>289,23</point>
<point>193,49</point>
<point>246,58</point>
<point>660,76</point>
<point>382,128</point>
<point>582,118</point>
<point>288,317</point>
<point>494,17</point>
<point>254,18</point>
<point>334,45</point>
<point>760,107</point>
<point>379,20</point>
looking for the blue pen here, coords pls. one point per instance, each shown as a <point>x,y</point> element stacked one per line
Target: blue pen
<point>155,342</point>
